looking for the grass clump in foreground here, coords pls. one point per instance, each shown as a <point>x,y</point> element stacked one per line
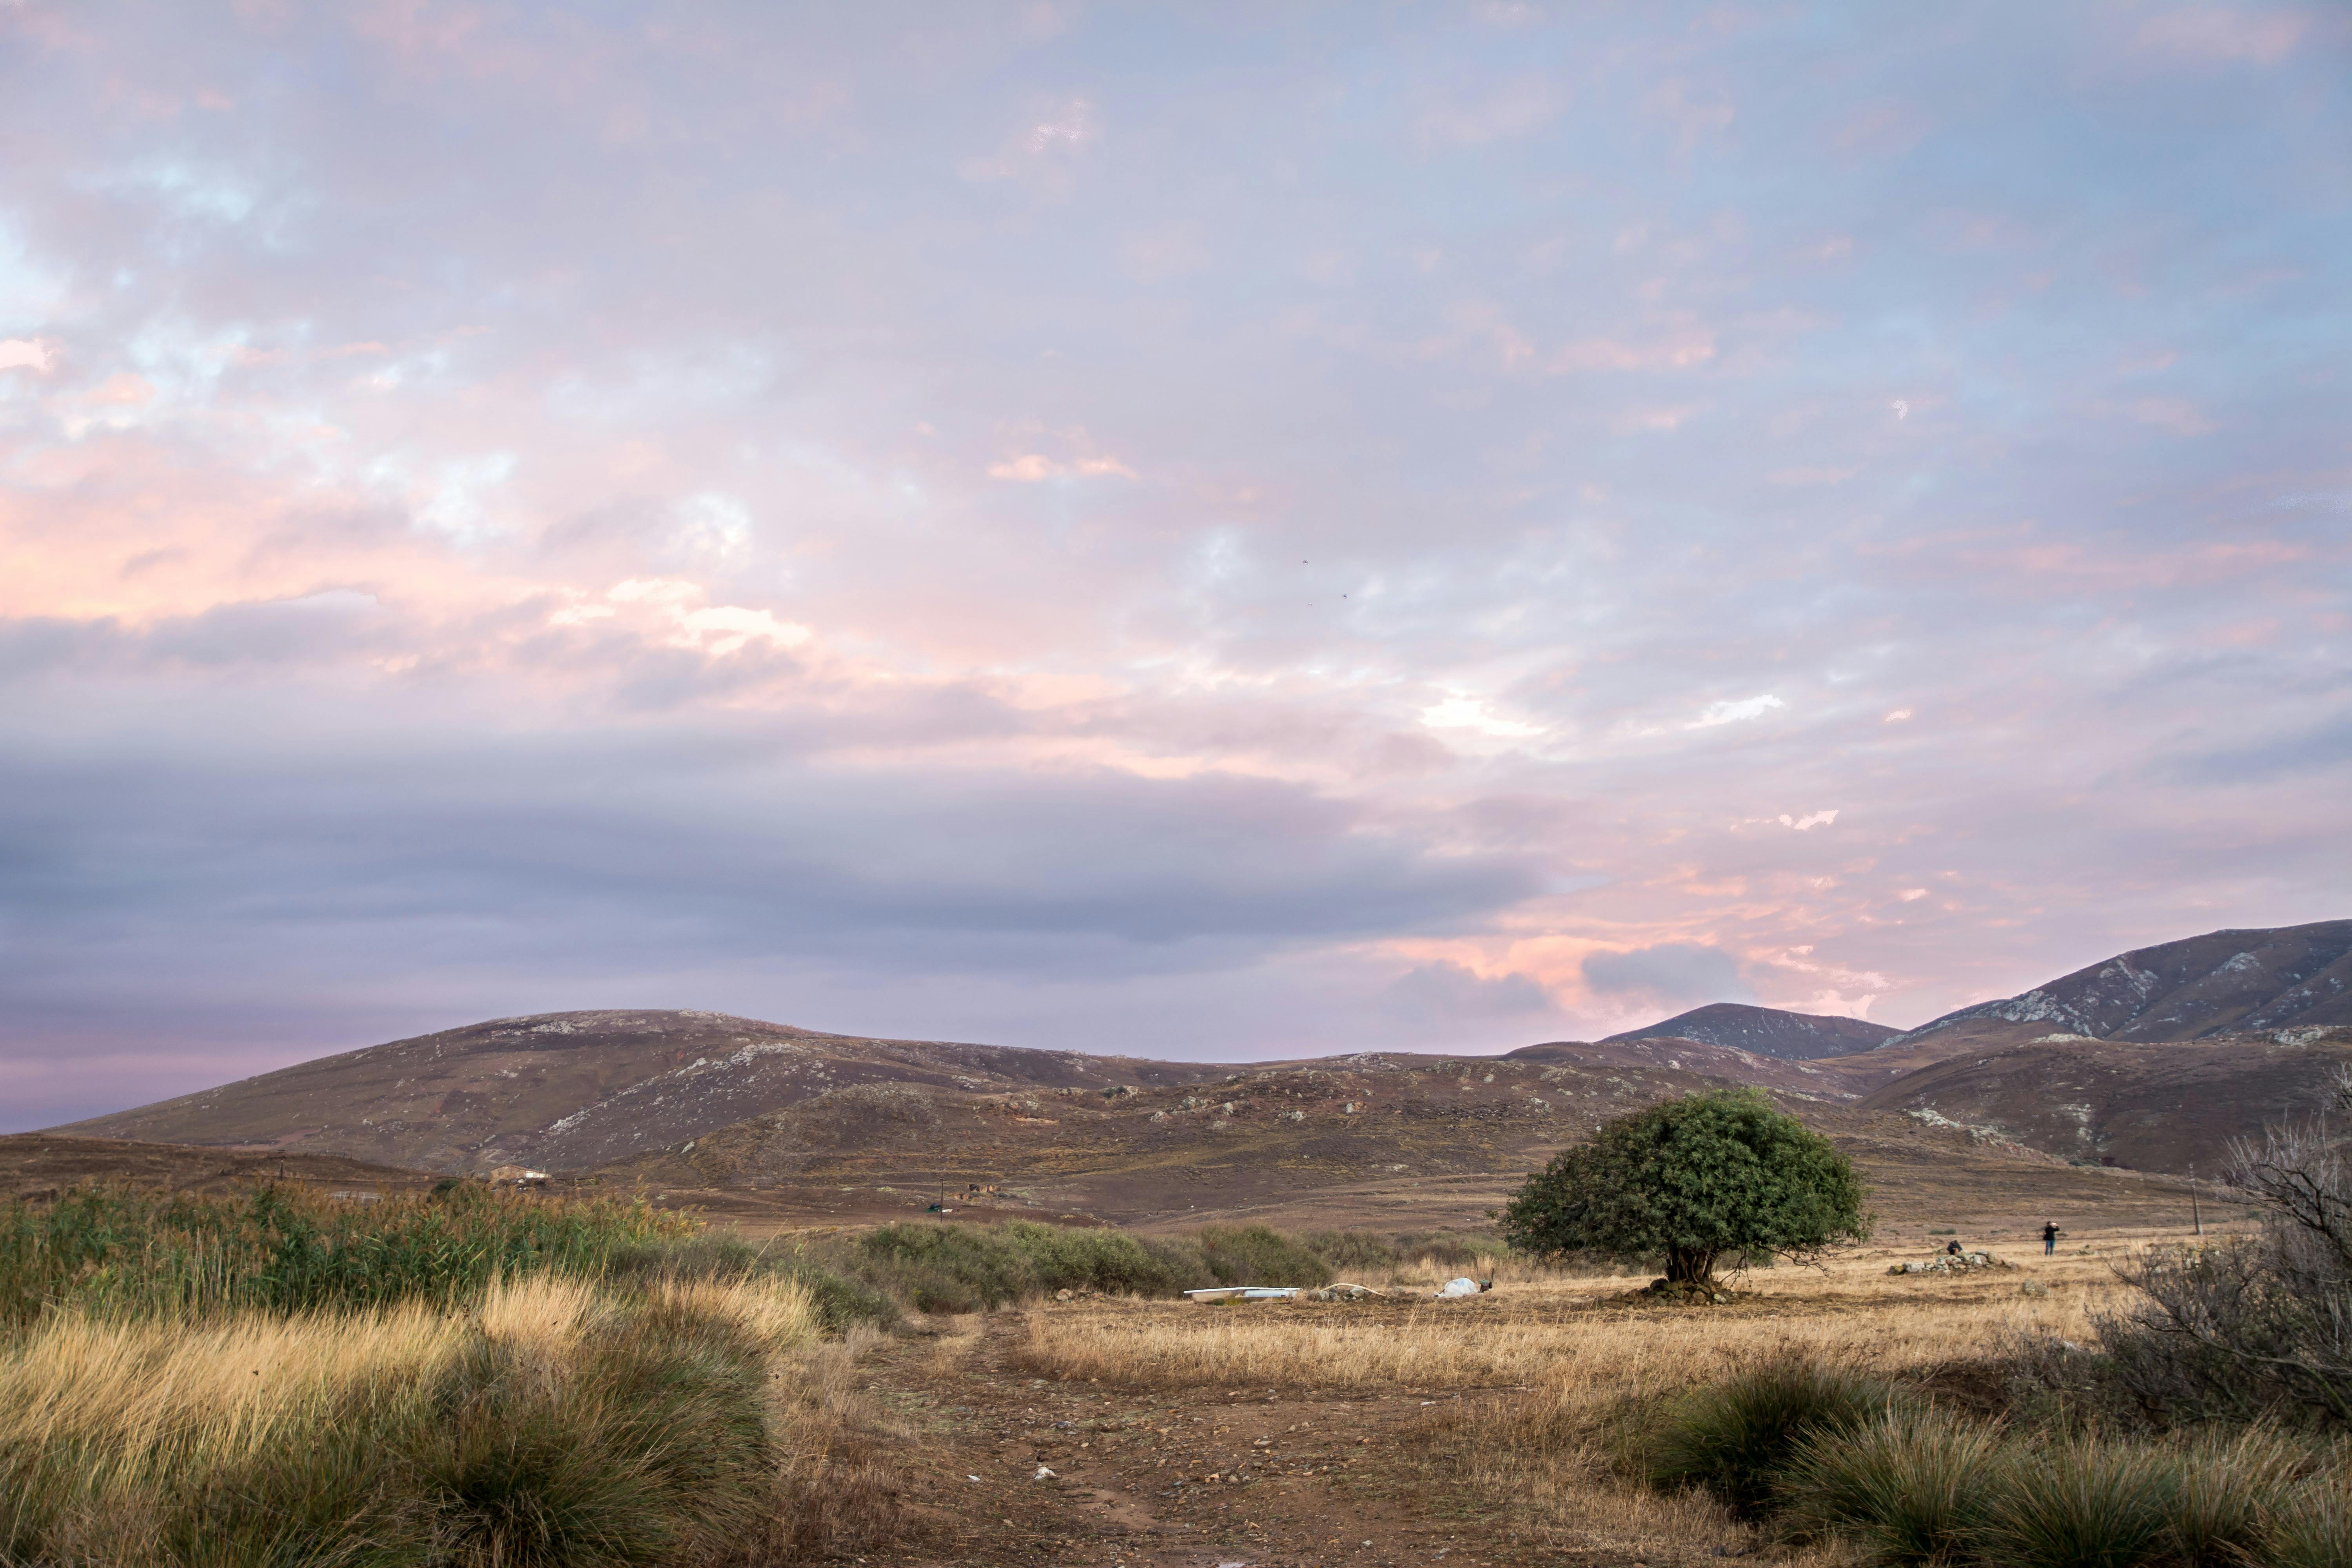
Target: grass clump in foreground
<point>1819,1452</point>
<point>555,1424</point>
<point>1737,1438</point>
<point>469,1378</point>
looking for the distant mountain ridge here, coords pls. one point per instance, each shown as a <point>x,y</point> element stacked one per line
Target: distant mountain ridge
<point>2223,983</point>
<point>2149,1058</point>
<point>1766,1032</point>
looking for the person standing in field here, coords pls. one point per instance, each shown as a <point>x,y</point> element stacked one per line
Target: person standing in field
<point>2049,1234</point>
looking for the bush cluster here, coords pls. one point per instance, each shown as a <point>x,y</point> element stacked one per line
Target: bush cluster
<point>946,1267</point>
<point>118,1250</point>
<point>1818,1451</point>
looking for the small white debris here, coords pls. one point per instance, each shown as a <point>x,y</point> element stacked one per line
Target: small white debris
<point>1045,1475</point>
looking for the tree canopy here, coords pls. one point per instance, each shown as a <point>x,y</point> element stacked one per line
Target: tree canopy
<point>1697,1179</point>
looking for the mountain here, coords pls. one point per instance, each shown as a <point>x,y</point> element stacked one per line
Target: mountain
<point>1766,1031</point>
<point>2225,982</point>
<point>578,1090</point>
<point>2149,1106</point>
<point>774,1125</point>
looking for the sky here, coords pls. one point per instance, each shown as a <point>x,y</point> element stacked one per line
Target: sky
<point>1215,531</point>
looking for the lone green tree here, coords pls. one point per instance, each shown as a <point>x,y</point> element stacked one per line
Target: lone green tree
<point>1699,1179</point>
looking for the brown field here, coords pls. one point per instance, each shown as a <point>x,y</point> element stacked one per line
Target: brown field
<point>1398,1430</point>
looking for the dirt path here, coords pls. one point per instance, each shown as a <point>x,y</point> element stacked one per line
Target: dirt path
<point>1189,1478</point>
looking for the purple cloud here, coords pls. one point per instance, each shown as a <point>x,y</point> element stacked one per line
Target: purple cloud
<point>1175,529</point>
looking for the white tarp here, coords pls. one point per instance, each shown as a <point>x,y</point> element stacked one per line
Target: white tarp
<point>1454,1289</point>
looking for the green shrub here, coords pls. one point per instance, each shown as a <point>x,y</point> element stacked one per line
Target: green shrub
<point>842,1303</point>
<point>950,1268</point>
<point>1736,1437</point>
<point>1910,1487</point>
<point>1349,1251</point>
<point>1257,1255</point>
<point>1065,1258</point>
<point>1180,1260</point>
<point>2082,1503</point>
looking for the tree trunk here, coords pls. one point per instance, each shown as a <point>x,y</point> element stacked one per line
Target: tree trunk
<point>1689,1265</point>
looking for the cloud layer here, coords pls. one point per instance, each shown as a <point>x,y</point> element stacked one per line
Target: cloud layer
<point>1211,532</point>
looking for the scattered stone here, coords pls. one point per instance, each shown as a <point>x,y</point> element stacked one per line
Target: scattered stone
<point>1949,1263</point>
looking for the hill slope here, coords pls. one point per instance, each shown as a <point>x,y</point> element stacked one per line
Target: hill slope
<point>574,1090</point>
<point>2225,982</point>
<point>1766,1031</point>
<point>2151,1106</point>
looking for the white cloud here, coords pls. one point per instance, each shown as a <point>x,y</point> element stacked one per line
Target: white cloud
<point>1733,712</point>
<point>725,629</point>
<point>1461,711</point>
<point>27,353</point>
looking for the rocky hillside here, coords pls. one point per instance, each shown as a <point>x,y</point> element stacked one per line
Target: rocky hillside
<point>2149,1106</point>
<point>1766,1031</point>
<point>2225,982</point>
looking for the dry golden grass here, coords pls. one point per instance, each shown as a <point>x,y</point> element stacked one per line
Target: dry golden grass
<point>111,1430</point>
<point>1547,1334</point>
<point>841,1485</point>
<point>1555,1368</point>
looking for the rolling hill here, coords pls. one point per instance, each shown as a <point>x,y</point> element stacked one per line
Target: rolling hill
<point>1766,1031</point>
<point>827,1124</point>
<point>577,1090</point>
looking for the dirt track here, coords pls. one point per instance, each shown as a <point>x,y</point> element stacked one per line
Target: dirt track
<point>1192,1479</point>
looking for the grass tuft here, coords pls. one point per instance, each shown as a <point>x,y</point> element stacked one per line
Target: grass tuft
<point>2083,1503</point>
<point>1736,1438</point>
<point>1911,1486</point>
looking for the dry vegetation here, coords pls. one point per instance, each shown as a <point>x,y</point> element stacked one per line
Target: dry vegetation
<point>695,1404</point>
<point>1546,1331</point>
<point>512,1384</point>
<point>1541,1404</point>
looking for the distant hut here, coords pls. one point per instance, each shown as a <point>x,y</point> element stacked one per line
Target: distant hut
<point>517,1176</point>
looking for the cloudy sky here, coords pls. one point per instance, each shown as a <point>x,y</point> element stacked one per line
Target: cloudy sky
<point>1206,531</point>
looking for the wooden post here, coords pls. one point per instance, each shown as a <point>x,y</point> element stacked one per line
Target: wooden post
<point>2194,1211</point>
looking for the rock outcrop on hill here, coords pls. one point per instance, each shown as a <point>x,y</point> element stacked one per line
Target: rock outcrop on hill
<point>2225,982</point>
<point>2149,1107</point>
<point>1766,1031</point>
